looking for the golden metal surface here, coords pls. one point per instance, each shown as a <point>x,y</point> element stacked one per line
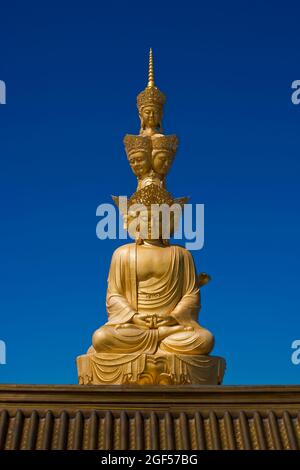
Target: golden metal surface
<point>153,299</point>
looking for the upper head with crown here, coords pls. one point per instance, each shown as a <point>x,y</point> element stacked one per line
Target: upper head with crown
<point>138,150</point>
<point>163,152</point>
<point>150,104</point>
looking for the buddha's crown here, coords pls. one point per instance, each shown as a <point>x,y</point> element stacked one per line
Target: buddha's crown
<point>165,142</point>
<point>153,194</point>
<point>134,143</point>
<point>150,96</point>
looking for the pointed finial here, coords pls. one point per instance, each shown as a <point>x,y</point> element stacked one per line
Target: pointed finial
<point>151,70</point>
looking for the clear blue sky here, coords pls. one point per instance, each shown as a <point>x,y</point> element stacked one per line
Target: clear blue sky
<point>73,70</point>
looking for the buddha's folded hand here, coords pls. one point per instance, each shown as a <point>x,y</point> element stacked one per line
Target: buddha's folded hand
<point>141,319</point>
<point>166,320</point>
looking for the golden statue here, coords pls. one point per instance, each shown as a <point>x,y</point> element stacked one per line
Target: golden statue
<point>152,335</point>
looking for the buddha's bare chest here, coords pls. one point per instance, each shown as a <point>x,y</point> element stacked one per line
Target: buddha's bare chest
<point>152,262</point>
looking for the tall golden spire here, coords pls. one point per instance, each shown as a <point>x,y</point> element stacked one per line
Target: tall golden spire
<point>151,70</point>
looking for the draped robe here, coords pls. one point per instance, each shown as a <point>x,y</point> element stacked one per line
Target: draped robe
<point>175,293</point>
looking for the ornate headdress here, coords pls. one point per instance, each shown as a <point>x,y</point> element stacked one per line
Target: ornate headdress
<point>151,95</point>
<point>153,194</point>
<point>134,143</point>
<point>150,196</point>
<point>165,142</point>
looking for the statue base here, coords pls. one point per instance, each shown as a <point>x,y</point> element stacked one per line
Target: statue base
<point>147,369</point>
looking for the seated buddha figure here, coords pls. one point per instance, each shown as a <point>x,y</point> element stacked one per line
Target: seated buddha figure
<point>152,334</point>
<point>153,296</point>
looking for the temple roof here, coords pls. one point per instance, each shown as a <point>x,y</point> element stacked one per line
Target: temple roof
<point>150,417</point>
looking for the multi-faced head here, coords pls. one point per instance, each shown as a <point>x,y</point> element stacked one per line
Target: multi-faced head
<point>146,154</point>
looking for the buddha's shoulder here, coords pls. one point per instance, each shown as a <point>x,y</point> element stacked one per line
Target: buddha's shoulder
<point>183,251</point>
<point>123,249</point>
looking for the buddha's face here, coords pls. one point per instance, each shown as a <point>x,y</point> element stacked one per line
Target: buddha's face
<point>162,161</point>
<point>151,117</point>
<point>140,163</point>
<point>149,224</point>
